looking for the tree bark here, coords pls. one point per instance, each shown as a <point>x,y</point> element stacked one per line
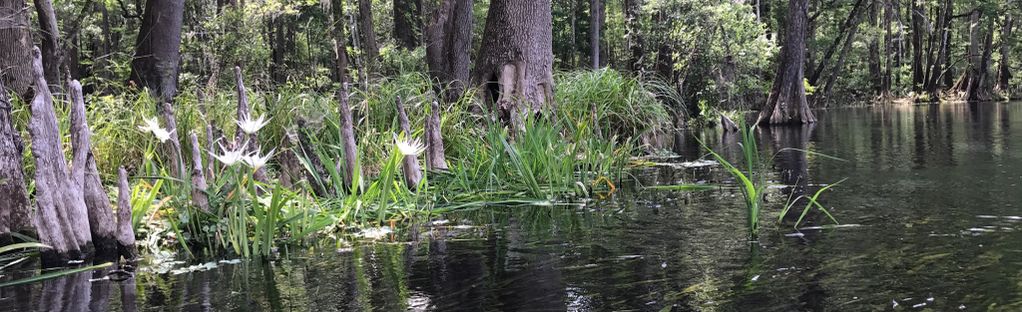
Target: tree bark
<point>157,50</point>
<point>917,46</point>
<point>435,158</point>
<point>595,26</point>
<point>874,50</point>
<point>348,141</point>
<point>448,47</point>
<point>199,185</point>
<point>172,148</point>
<point>15,214</point>
<point>53,56</point>
<point>850,22</point>
<point>942,39</point>
<point>15,48</point>
<point>365,21</point>
<point>1004,68</point>
<point>410,167</point>
<point>335,20</point>
<point>125,233</point>
<point>633,25</point>
<point>515,65</point>
<point>972,86</point>
<point>787,102</point>
<point>406,22</point>
<point>60,208</point>
<point>101,218</point>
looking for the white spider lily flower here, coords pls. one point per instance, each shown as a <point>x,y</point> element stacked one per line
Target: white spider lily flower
<point>255,161</point>
<point>150,124</point>
<point>162,134</point>
<point>251,126</point>
<point>410,147</point>
<point>229,158</point>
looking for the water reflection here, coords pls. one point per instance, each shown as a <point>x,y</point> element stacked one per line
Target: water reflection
<point>935,188</point>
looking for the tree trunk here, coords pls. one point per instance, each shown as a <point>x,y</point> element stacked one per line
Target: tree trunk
<point>850,22</point>
<point>365,21</point>
<point>633,30</point>
<point>787,102</point>
<point>448,47</point>
<point>52,54</point>
<point>411,170</point>
<point>15,48</point>
<point>885,82</point>
<point>60,208</point>
<point>1004,68</point>
<point>125,233</point>
<point>348,141</point>
<point>595,26</point>
<point>917,47</point>
<point>874,50</point>
<point>14,205</point>
<point>101,218</point>
<point>972,86</point>
<point>839,67</point>
<point>942,39</point>
<point>515,64</point>
<point>335,18</point>
<point>157,50</point>
<point>406,23</point>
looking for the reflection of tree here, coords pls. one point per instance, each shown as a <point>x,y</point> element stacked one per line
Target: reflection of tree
<point>792,162</point>
<point>68,293</point>
<point>129,295</point>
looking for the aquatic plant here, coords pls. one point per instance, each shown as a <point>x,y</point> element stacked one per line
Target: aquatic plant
<point>753,183</point>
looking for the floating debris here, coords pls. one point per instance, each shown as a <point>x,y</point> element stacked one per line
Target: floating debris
<point>375,233</point>
<point>233,261</point>
<point>629,257</point>
<point>194,268</point>
<point>919,305</point>
<point>828,227</point>
<point>755,278</point>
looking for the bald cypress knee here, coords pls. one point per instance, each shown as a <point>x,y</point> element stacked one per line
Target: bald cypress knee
<point>101,218</point>
<point>60,208</point>
<point>157,49</point>
<point>125,233</point>
<point>787,102</point>
<point>515,63</point>
<point>410,167</point>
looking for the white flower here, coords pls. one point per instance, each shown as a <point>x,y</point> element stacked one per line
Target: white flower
<point>255,161</point>
<point>230,158</point>
<point>150,124</point>
<point>250,126</point>
<point>153,126</point>
<point>410,147</point>
<point>162,134</point>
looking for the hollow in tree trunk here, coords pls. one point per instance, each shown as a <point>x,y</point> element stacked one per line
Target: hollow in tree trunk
<point>157,50</point>
<point>787,103</point>
<point>515,63</point>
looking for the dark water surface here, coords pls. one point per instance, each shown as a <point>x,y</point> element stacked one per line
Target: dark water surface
<point>932,201</point>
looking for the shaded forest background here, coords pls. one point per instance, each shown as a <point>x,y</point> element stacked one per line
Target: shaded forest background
<point>716,54</point>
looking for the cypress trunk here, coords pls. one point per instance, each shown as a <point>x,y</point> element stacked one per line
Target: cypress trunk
<point>52,54</point>
<point>515,64</point>
<point>14,205</point>
<point>15,48</point>
<point>157,50</point>
<point>787,103</point>
<point>365,21</point>
<point>448,46</point>
<point>1004,67</point>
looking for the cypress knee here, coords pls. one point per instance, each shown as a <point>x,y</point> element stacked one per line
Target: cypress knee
<point>412,171</point>
<point>125,233</point>
<point>347,139</point>
<point>198,177</point>
<point>60,208</point>
<point>435,158</point>
<point>101,219</point>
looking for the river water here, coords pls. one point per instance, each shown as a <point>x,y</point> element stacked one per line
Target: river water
<point>931,216</point>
